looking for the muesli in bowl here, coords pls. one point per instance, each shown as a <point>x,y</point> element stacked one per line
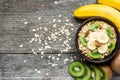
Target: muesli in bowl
<point>97,38</point>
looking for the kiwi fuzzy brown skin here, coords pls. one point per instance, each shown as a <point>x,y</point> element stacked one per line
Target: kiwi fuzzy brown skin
<point>115,63</point>
<point>106,71</point>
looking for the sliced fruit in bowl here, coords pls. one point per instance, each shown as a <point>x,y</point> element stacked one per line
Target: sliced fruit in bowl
<point>97,39</point>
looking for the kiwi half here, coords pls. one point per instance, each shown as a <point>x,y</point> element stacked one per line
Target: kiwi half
<point>76,69</point>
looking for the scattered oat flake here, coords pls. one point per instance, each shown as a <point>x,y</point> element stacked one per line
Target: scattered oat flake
<point>25,22</point>
<point>39,18</point>
<point>36,35</point>
<point>41,56</point>
<point>65,60</point>
<point>59,54</point>
<point>59,15</point>
<point>42,53</point>
<point>31,40</point>
<point>59,20</point>
<point>53,57</point>
<point>37,29</point>
<point>35,53</point>
<point>21,45</point>
<point>56,2</point>
<point>40,28</point>
<point>54,65</point>
<point>43,5</point>
<point>72,28</point>
<point>38,71</point>
<point>72,60</point>
<point>35,40</point>
<point>47,47</point>
<point>35,69</point>
<point>49,56</point>
<point>54,20</point>
<point>33,50</point>
<point>33,30</point>
<point>54,25</point>
<point>57,59</point>
<point>75,56</point>
<point>45,29</point>
<point>69,39</point>
<point>67,20</point>
<point>25,61</point>
<point>47,74</point>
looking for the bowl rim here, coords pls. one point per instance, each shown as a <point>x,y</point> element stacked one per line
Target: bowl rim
<point>113,53</point>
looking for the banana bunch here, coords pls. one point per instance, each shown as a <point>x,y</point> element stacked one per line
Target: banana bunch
<point>107,9</point>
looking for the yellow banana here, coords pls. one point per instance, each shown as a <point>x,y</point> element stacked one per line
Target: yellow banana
<point>99,10</point>
<point>112,3</point>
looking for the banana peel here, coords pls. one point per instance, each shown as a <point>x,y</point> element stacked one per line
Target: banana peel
<point>112,3</point>
<point>100,10</point>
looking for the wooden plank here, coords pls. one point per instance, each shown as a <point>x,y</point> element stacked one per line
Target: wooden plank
<point>19,18</point>
<point>14,31</point>
<point>35,67</point>
<point>22,66</point>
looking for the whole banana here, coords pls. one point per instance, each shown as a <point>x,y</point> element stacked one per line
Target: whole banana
<point>98,10</point>
<point>112,3</point>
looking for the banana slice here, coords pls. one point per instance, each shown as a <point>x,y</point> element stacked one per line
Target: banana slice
<point>91,45</point>
<point>102,37</point>
<point>92,36</point>
<point>103,48</point>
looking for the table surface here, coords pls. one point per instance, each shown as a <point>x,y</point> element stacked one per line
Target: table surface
<point>38,39</point>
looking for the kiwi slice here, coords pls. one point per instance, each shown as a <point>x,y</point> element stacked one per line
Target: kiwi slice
<point>93,26</point>
<point>104,76</point>
<point>109,32</point>
<point>112,46</point>
<point>96,73</point>
<point>94,55</point>
<point>76,69</point>
<point>83,41</point>
<point>87,74</point>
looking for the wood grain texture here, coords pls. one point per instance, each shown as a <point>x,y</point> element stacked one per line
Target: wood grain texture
<point>14,31</point>
<point>33,67</point>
